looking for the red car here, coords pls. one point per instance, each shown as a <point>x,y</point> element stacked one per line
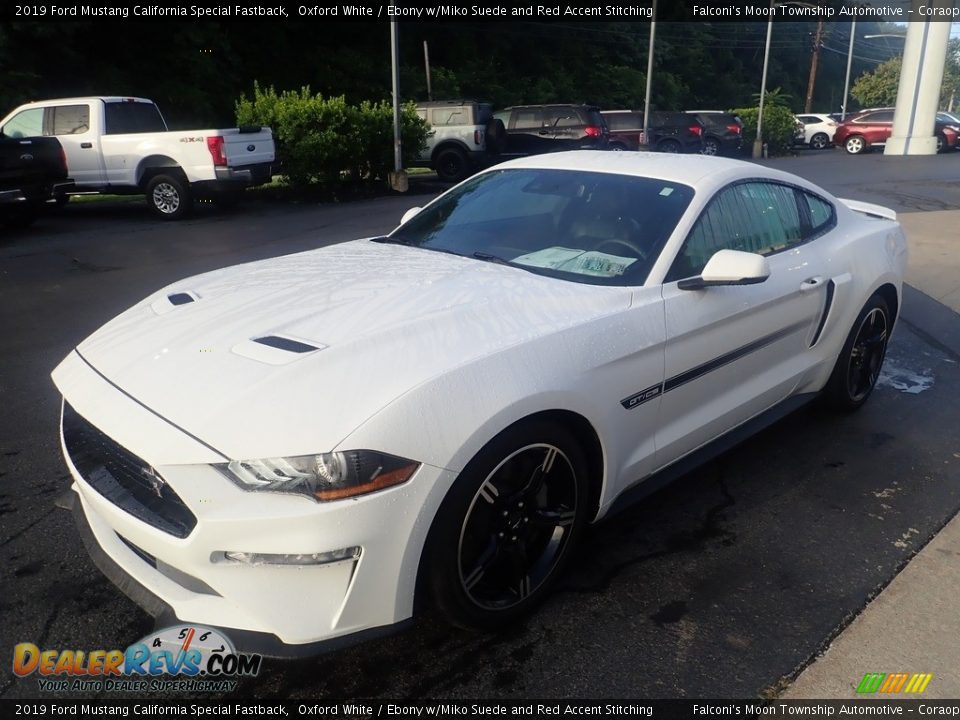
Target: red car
<point>871,128</point>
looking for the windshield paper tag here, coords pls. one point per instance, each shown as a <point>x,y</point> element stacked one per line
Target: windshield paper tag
<point>577,261</point>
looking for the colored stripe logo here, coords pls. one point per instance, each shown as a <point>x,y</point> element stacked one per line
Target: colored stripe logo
<point>891,683</point>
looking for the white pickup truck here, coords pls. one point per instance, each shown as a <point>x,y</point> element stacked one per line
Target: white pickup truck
<point>122,145</point>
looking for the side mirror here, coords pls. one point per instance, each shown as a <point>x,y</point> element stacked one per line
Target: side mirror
<point>409,214</point>
<point>730,267</point>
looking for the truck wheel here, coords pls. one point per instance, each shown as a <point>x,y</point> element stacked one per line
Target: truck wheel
<point>452,165</point>
<point>168,197</point>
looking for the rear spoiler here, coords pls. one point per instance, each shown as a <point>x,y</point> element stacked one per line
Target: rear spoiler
<point>877,211</point>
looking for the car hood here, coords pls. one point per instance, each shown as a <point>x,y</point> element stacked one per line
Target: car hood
<point>348,328</point>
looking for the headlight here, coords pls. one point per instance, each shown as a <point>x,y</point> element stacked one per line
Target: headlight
<point>325,477</point>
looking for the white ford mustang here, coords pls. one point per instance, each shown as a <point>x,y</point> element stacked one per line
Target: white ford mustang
<point>297,449</point>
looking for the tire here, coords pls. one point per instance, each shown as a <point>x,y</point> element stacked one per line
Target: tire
<point>855,144</point>
<point>858,365</point>
<point>496,135</point>
<point>618,147</point>
<point>507,527</point>
<point>669,146</point>
<point>941,143</point>
<point>711,146</point>
<point>819,141</point>
<point>168,197</point>
<point>452,165</point>
<point>61,199</point>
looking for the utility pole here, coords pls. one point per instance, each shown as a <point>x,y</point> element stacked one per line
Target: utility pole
<point>426,64</point>
<point>814,61</point>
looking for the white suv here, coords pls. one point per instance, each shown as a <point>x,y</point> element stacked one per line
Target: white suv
<point>463,133</point>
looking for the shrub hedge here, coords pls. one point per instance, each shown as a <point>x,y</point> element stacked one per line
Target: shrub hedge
<point>327,142</point>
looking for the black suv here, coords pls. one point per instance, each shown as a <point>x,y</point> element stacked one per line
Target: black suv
<point>533,129</point>
<point>723,132</point>
<point>672,132</point>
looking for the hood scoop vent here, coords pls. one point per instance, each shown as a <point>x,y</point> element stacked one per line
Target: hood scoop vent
<point>166,303</point>
<point>275,350</point>
<point>180,298</point>
<point>282,343</point>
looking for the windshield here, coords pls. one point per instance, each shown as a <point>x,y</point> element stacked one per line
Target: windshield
<point>589,227</point>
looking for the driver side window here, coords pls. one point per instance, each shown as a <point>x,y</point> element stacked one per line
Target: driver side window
<point>757,217</point>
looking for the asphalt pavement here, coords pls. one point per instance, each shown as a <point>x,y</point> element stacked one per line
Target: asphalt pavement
<point>728,583</point>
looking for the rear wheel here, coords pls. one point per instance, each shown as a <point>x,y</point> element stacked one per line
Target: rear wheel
<point>711,146</point>
<point>506,528</point>
<point>858,366</point>
<point>452,165</point>
<point>855,144</point>
<point>941,143</point>
<point>618,147</point>
<point>819,141</point>
<point>168,197</point>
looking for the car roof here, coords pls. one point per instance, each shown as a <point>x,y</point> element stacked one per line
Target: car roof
<point>88,98</point>
<point>693,170</point>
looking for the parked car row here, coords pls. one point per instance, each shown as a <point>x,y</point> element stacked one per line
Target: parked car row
<point>867,129</point>
<point>466,134</point>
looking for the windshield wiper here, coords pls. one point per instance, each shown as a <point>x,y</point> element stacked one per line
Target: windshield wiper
<point>393,240</point>
<point>487,257</point>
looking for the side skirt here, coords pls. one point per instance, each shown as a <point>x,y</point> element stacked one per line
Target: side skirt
<point>660,479</point>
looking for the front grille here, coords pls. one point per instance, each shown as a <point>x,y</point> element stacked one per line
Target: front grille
<point>123,478</point>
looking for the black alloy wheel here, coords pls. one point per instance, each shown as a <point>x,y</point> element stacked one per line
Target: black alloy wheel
<point>858,367</point>
<point>506,528</point>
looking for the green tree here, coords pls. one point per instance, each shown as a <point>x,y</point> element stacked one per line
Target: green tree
<point>879,88</point>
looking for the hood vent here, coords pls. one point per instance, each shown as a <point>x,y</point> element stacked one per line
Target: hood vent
<point>282,343</point>
<point>180,298</point>
<point>276,350</point>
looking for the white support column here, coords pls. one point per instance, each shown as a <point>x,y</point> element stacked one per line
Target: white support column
<point>921,74</point>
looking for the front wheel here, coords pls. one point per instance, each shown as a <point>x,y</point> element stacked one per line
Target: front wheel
<point>669,146</point>
<point>506,528</point>
<point>168,197</point>
<point>858,366</point>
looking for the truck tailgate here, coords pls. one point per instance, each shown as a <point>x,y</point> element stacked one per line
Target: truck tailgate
<point>247,148</point>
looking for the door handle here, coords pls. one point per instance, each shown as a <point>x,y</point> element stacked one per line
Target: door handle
<point>811,283</point>
<point>86,146</point>
<point>543,132</point>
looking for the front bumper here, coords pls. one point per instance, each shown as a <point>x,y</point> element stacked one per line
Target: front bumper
<point>282,610</point>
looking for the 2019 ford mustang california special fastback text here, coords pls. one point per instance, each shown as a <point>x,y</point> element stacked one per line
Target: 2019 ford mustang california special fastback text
<point>296,450</point>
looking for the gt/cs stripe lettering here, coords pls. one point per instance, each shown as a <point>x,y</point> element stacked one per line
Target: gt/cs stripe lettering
<point>700,370</point>
<point>641,397</point>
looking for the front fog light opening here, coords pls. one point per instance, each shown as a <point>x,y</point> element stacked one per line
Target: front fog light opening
<point>238,557</point>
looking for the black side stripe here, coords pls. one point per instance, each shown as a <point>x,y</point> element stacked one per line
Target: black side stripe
<point>831,288</point>
<point>697,372</point>
<point>149,409</point>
